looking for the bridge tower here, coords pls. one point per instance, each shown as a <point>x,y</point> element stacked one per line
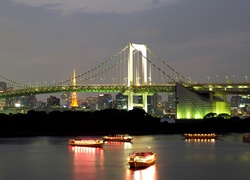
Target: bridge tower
<point>141,48</point>
<point>74,102</point>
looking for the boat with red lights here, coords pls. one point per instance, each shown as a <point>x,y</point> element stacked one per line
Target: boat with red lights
<point>86,143</point>
<point>246,138</point>
<point>118,138</point>
<point>201,136</point>
<point>141,159</point>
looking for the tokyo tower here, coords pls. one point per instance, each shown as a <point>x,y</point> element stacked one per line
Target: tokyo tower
<point>74,102</point>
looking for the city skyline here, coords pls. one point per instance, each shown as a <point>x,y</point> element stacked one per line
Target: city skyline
<point>43,41</point>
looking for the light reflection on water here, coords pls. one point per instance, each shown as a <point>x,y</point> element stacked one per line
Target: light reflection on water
<point>119,145</point>
<point>142,174</point>
<point>87,161</point>
<point>200,140</point>
<point>52,158</point>
<point>203,149</point>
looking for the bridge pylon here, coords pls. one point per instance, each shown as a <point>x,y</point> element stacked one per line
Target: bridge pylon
<point>142,49</point>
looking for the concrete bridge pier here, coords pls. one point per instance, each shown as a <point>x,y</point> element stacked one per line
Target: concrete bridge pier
<point>131,103</point>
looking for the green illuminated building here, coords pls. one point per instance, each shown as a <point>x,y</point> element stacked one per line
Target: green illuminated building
<point>192,105</point>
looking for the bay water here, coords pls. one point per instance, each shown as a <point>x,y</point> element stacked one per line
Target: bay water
<point>51,158</point>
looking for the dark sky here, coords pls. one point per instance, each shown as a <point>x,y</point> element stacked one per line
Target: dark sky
<point>43,40</point>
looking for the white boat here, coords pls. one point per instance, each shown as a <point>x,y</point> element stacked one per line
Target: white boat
<point>86,143</point>
<point>141,159</point>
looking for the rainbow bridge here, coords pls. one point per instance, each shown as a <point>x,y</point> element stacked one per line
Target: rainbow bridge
<point>138,71</point>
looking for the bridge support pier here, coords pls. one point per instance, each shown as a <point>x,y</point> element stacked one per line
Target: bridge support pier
<point>145,101</point>
<point>131,103</point>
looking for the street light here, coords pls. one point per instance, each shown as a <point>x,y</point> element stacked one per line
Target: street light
<point>208,79</point>
<point>137,80</point>
<point>217,78</point>
<point>125,80</point>
<point>113,79</point>
<point>227,78</point>
<point>162,80</point>
<point>149,79</point>
<point>246,78</point>
<point>177,80</point>
<point>102,80</point>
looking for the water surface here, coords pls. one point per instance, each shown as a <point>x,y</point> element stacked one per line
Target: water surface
<point>51,158</point>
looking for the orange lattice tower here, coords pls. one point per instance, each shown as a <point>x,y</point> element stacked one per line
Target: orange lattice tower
<point>74,102</point>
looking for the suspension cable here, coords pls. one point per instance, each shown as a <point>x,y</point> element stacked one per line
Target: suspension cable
<point>166,63</point>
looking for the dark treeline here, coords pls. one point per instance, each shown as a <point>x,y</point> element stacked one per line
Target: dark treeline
<point>109,121</point>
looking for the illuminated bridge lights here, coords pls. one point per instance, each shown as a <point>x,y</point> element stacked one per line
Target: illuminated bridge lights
<point>150,89</point>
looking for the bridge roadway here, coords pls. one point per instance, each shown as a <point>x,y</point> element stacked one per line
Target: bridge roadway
<point>220,88</point>
<point>136,89</point>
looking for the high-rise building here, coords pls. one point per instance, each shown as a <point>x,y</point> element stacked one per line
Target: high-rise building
<point>91,102</point>
<point>137,99</point>
<point>3,88</point>
<point>154,101</point>
<point>240,105</point>
<point>104,101</point>
<point>235,101</point>
<point>28,101</point>
<point>171,102</point>
<point>65,99</point>
<point>53,101</point>
<point>121,101</point>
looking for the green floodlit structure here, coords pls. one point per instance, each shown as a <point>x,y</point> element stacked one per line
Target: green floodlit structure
<point>194,105</point>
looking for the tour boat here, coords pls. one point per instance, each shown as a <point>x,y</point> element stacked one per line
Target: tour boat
<point>141,159</point>
<point>201,136</point>
<point>86,143</point>
<point>246,138</point>
<point>118,138</point>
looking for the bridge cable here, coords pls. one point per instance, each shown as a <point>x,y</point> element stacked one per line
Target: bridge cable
<point>13,83</point>
<point>65,81</point>
<point>166,64</point>
<point>155,65</point>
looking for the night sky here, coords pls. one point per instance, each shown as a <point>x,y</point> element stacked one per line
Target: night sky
<point>44,40</point>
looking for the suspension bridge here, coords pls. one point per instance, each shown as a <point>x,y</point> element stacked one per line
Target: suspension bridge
<point>136,70</point>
